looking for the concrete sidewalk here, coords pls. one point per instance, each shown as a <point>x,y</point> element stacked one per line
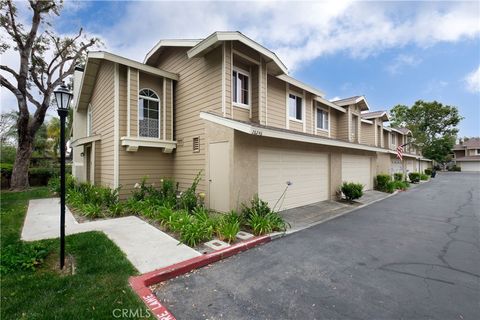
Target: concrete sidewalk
<point>306,216</point>
<point>145,246</point>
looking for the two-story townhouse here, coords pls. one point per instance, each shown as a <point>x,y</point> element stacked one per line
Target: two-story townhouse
<point>466,155</point>
<point>223,105</point>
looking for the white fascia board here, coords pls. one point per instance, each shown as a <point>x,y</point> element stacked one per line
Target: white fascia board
<point>234,36</point>
<point>266,132</point>
<point>301,85</point>
<point>397,131</point>
<point>330,104</point>
<point>171,43</point>
<point>85,140</point>
<point>366,121</point>
<point>131,63</point>
<point>387,129</point>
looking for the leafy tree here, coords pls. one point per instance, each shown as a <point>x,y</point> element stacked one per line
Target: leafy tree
<point>45,61</point>
<point>433,125</point>
<point>53,134</point>
<point>7,127</point>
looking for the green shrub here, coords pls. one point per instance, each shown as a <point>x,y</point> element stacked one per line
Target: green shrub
<point>428,171</point>
<point>91,210</point>
<point>116,209</point>
<point>195,232</point>
<point>54,184</point>
<point>164,214</point>
<point>414,177</point>
<point>23,256</point>
<point>227,230</point>
<point>257,206</point>
<point>40,176</point>
<point>455,168</point>
<point>352,190</point>
<point>423,176</point>
<point>401,185</point>
<point>188,198</point>
<point>382,181</point>
<point>260,224</point>
<point>398,176</point>
<point>390,187</point>
<point>7,153</point>
<point>177,220</point>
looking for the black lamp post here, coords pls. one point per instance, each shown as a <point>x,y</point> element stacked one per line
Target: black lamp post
<point>62,97</point>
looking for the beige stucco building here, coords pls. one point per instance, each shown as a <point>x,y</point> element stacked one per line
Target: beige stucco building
<point>226,106</point>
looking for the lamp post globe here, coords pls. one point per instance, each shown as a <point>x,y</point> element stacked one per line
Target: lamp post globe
<point>63,96</point>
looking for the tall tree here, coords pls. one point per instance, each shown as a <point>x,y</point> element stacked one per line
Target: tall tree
<point>45,61</point>
<point>433,125</point>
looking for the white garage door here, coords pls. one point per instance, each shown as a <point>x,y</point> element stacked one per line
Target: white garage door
<point>308,172</point>
<point>357,169</point>
<point>470,166</point>
<point>397,166</point>
<point>411,166</point>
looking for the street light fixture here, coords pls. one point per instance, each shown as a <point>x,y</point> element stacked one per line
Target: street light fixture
<point>63,96</point>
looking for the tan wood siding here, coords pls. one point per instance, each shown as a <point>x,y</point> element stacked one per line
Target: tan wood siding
<point>276,101</point>
<point>169,109</point>
<point>334,115</point>
<point>198,89</point>
<point>368,134</point>
<point>102,102</point>
<point>134,87</point>
<point>342,126</point>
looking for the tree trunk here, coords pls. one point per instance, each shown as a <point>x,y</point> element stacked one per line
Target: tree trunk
<point>19,180</point>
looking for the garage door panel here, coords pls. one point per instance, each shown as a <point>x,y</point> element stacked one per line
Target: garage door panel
<point>470,166</point>
<point>356,169</point>
<point>308,172</point>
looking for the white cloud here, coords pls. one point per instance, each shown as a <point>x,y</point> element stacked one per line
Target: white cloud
<point>402,61</point>
<point>298,31</point>
<point>472,81</point>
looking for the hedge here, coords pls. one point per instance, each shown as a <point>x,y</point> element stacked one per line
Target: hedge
<point>36,176</point>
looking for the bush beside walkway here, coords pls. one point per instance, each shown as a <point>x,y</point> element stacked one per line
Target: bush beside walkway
<point>99,286</point>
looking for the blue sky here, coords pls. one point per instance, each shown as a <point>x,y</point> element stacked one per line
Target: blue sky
<point>391,52</point>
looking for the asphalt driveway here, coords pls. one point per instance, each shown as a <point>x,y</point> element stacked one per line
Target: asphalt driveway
<point>412,256</point>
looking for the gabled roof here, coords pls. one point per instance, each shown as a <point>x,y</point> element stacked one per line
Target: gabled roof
<point>216,38</point>
<point>94,59</point>
<point>353,100</point>
<point>158,48</point>
<point>473,143</point>
<point>403,131</point>
<point>376,114</point>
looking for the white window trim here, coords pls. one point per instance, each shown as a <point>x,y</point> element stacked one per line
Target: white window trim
<point>316,127</point>
<point>247,74</point>
<point>289,92</point>
<point>89,120</point>
<point>159,100</point>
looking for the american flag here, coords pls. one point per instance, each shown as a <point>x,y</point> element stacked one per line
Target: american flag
<point>400,152</point>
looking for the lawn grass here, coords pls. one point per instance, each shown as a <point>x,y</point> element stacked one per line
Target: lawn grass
<point>99,286</point>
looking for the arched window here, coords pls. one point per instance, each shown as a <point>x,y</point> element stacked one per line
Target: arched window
<point>148,113</point>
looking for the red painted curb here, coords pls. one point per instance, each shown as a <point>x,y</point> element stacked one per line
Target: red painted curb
<point>140,284</point>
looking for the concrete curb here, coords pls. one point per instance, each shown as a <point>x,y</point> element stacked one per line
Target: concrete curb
<point>140,284</point>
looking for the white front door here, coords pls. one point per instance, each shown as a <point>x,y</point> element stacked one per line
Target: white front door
<point>357,169</point>
<point>307,171</point>
<point>219,176</point>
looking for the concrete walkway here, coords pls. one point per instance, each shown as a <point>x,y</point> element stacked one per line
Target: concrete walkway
<point>306,216</point>
<point>145,246</point>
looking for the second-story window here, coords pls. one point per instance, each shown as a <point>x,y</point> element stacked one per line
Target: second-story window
<point>148,114</point>
<point>394,139</point>
<point>295,107</point>
<point>322,119</point>
<point>241,88</point>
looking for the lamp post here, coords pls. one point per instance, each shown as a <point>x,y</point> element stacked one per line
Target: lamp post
<point>62,97</point>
